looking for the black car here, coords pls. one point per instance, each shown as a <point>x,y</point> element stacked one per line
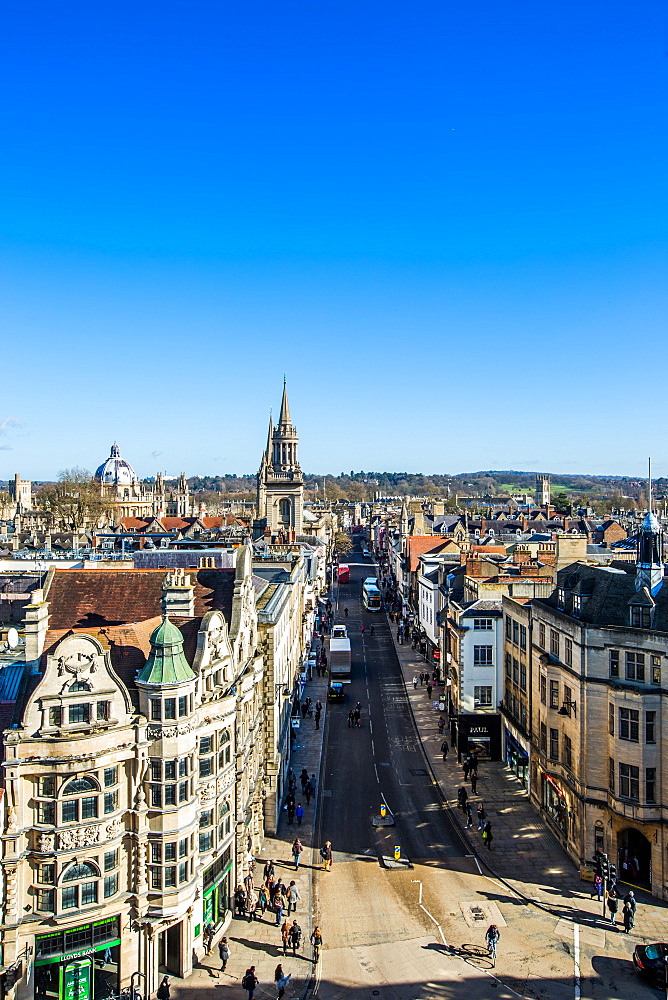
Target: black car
<point>649,961</point>
<point>336,692</point>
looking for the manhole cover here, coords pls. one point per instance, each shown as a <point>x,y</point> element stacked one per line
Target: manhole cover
<point>417,772</point>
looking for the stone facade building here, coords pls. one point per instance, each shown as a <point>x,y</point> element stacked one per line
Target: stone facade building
<point>133,774</point>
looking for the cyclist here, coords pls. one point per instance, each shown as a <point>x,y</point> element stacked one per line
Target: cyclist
<point>492,938</point>
<point>316,941</point>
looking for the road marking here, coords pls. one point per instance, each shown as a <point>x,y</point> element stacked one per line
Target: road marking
<point>576,960</point>
<point>370,727</point>
<point>373,749</point>
<point>440,929</point>
<point>376,770</point>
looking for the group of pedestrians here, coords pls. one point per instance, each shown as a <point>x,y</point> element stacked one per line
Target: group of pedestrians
<point>292,937</point>
<point>628,910</point>
<point>294,808</point>
<point>355,716</point>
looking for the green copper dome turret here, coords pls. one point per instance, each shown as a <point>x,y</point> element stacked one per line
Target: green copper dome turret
<point>166,663</point>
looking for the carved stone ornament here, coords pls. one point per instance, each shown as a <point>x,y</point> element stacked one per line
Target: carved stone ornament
<point>45,842</point>
<point>207,792</point>
<point>77,664</point>
<point>160,733</point>
<point>86,836</point>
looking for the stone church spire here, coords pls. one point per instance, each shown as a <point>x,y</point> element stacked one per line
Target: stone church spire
<point>280,484</point>
<point>284,418</point>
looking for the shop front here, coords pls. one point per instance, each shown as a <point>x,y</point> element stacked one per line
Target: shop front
<point>554,803</point>
<point>216,891</point>
<point>517,758</point>
<point>478,734</point>
<point>81,963</point>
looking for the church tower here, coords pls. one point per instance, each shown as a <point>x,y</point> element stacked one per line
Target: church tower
<point>649,549</point>
<point>280,484</point>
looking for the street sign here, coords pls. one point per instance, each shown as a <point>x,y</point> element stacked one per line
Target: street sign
<point>383,811</point>
<point>295,723</point>
<point>397,853</point>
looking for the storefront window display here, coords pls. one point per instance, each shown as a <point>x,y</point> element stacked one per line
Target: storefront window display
<point>517,758</point>
<point>81,963</point>
<point>217,890</point>
<point>554,803</point>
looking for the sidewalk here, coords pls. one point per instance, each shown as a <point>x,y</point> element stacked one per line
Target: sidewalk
<point>525,853</point>
<point>258,942</point>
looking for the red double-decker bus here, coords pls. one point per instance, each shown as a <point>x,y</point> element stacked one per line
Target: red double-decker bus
<point>344,573</point>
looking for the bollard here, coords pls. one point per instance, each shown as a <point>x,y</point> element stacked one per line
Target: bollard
<point>383,811</point>
<point>397,853</point>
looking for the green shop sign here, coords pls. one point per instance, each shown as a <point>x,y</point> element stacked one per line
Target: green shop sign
<point>76,980</point>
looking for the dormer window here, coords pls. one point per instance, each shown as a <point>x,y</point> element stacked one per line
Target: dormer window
<point>641,616</point>
<point>577,604</point>
<point>561,597</point>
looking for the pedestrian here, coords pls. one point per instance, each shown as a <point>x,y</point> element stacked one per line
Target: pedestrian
<point>429,690</point>
<point>295,936</point>
<point>481,816</point>
<point>356,716</point>
<point>304,709</point>
<point>351,719</point>
<point>281,980</point>
<point>248,882</point>
<point>415,682</point>
<point>250,982</point>
<point>612,903</point>
<point>308,792</point>
<point>474,782</point>
<point>467,767</point>
<point>207,938</point>
<point>421,679</point>
<point>297,848</point>
<point>317,718</point>
<point>299,813</point>
<point>240,900</point>
<point>269,870</point>
<point>263,899</point>
<point>630,900</point>
<point>462,796</point>
<point>326,855</point>
<point>291,813</point>
<point>492,939</point>
<point>444,750</point>
<point>316,944</point>
<point>628,918</point>
<point>279,906</point>
<point>372,630</point>
<point>487,835</point>
<point>293,896</point>
<point>469,816</point>
<point>285,936</point>
<point>224,952</point>
<point>163,989</point>
<point>441,725</point>
<point>251,904</point>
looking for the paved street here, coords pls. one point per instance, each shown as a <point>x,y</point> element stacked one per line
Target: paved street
<point>379,940</point>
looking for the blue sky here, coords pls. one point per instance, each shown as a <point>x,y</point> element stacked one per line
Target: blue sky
<point>446,223</point>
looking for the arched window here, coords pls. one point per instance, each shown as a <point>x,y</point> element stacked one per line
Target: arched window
<point>83,870</point>
<point>79,785</point>
<point>79,686</point>
<point>84,890</point>
<point>285,510</point>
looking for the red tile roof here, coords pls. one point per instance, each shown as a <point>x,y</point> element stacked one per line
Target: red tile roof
<point>418,545</point>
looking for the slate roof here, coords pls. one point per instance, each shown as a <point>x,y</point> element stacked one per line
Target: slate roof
<point>612,589</point>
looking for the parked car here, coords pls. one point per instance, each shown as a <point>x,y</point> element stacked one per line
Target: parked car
<point>649,961</point>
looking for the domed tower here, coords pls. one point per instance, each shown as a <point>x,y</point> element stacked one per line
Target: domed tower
<point>280,483</point>
<point>120,483</point>
<point>116,471</point>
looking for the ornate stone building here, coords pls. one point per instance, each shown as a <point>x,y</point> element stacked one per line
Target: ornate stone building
<point>134,775</point>
<point>280,483</point>
<point>132,498</point>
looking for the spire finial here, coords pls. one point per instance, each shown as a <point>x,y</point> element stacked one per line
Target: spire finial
<point>649,483</point>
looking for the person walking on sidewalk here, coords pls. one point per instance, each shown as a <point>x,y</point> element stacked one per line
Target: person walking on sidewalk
<point>491,940</point>
<point>467,767</point>
<point>240,900</point>
<point>630,900</point>
<point>613,905</point>
<point>318,712</point>
<point>474,782</point>
<point>316,944</point>
<point>444,750</point>
<point>269,870</point>
<point>481,817</point>
<point>297,848</point>
<point>462,796</point>
<point>326,855</point>
<point>441,725</point>
<point>279,906</point>
<point>163,989</point>
<point>299,813</point>
<point>224,952</point>
<point>295,936</point>
<point>285,936</point>
<point>281,980</point>
<point>469,816</point>
<point>628,918</point>
<point>263,898</point>
<point>487,835</point>
<point>415,682</point>
<point>293,896</point>
<point>250,982</point>
<point>291,813</point>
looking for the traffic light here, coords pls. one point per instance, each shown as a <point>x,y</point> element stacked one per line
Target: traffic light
<point>602,864</point>
<point>612,873</point>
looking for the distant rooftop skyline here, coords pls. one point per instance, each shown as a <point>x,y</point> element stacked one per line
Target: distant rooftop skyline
<point>446,225</point>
